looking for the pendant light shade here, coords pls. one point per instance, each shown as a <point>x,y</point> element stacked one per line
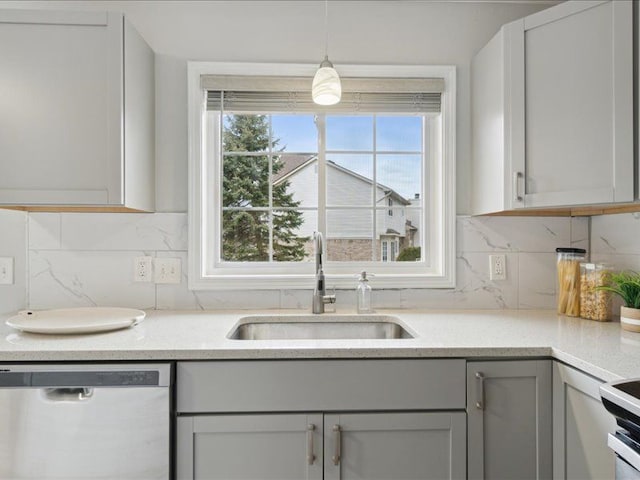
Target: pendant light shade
<point>326,88</point>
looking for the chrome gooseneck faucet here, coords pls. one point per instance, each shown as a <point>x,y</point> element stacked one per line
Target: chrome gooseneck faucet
<point>319,292</point>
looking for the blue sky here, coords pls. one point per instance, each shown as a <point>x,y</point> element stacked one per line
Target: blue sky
<point>297,133</point>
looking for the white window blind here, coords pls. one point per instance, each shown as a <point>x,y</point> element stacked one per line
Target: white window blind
<point>293,94</point>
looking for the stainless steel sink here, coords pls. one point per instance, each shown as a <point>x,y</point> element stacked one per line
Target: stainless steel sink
<point>314,327</point>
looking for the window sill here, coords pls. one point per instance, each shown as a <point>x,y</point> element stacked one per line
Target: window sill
<point>306,282</point>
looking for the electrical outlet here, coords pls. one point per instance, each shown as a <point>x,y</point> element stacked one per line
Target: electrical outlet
<point>167,270</point>
<point>497,267</point>
<point>143,269</point>
<point>6,270</point>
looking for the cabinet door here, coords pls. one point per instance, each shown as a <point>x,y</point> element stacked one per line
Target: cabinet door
<point>61,91</point>
<point>250,447</point>
<point>509,419</point>
<point>571,90</point>
<point>580,427</point>
<point>383,446</point>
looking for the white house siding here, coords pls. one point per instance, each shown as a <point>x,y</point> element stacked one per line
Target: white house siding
<point>303,186</point>
<point>414,215</point>
<point>344,189</point>
<point>349,224</point>
<point>396,222</point>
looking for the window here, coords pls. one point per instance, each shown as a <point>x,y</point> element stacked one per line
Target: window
<point>268,168</point>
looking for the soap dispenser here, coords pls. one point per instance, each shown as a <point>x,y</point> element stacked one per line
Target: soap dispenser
<point>363,294</point>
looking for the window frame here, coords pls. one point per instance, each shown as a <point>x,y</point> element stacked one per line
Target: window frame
<point>394,274</point>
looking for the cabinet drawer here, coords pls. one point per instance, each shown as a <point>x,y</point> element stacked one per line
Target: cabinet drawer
<point>314,385</point>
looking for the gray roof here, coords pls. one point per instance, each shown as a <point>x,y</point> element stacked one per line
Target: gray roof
<point>291,163</point>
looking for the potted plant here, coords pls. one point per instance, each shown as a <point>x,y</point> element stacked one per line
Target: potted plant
<point>626,284</point>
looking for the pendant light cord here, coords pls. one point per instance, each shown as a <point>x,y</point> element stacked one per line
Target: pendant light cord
<point>326,28</point>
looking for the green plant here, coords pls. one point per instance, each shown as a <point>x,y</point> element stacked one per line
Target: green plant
<point>248,234</point>
<point>626,284</point>
<point>409,254</point>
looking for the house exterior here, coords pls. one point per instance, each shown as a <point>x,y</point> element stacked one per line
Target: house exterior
<point>350,235</point>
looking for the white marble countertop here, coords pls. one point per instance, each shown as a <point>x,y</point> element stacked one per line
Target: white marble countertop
<point>601,349</point>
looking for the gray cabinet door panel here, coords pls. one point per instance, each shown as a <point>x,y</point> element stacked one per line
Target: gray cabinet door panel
<point>398,446</point>
<point>577,102</point>
<point>552,110</point>
<point>78,121</point>
<point>250,447</point>
<point>320,385</point>
<point>65,79</point>
<point>509,419</point>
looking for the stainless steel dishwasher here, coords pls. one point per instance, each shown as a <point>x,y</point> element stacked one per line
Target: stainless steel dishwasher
<point>85,421</point>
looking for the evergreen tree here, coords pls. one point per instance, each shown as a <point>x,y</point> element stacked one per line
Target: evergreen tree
<point>245,233</point>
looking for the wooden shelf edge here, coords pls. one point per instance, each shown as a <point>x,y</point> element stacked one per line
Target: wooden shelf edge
<point>587,211</point>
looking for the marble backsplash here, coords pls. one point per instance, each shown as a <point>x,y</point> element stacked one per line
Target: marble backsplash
<point>78,259</point>
<point>615,240</point>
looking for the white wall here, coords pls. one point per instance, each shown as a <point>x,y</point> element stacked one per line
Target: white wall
<point>614,241</point>
<point>86,259</point>
<point>360,32</point>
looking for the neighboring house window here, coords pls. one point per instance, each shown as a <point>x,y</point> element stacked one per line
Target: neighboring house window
<point>269,168</point>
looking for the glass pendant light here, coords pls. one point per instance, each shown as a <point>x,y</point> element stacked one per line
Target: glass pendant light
<point>326,88</point>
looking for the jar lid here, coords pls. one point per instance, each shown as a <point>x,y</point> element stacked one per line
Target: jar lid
<point>571,250</point>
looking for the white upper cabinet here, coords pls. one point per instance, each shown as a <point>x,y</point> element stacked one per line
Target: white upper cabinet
<point>77,109</point>
<point>552,110</point>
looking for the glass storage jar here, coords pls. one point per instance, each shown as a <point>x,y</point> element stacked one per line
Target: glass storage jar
<point>595,304</point>
<point>568,266</point>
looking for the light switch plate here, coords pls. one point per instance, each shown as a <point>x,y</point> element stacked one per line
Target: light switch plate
<point>6,270</point>
<point>167,270</point>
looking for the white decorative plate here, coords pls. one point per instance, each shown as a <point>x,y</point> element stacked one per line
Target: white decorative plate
<point>76,320</point>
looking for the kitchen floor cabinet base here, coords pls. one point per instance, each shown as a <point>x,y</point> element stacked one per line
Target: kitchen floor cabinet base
<point>345,446</point>
<point>321,419</point>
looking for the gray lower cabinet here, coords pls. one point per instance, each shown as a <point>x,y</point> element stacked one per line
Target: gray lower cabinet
<point>250,447</point>
<point>509,419</point>
<point>315,419</point>
<point>423,445</point>
<point>580,427</point>
<point>372,446</point>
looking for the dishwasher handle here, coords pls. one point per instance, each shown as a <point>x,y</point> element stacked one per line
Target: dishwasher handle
<point>81,394</point>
